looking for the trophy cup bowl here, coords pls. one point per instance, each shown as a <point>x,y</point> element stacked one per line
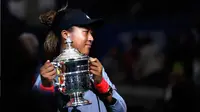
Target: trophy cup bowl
<point>73,75</point>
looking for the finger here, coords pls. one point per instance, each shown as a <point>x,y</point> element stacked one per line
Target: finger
<point>50,68</point>
<point>93,72</point>
<point>92,59</point>
<point>97,60</point>
<point>94,63</point>
<point>47,64</point>
<point>51,78</point>
<point>95,68</point>
<point>46,70</point>
<point>52,73</point>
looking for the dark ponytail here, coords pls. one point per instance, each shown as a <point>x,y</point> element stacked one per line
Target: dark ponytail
<point>52,42</point>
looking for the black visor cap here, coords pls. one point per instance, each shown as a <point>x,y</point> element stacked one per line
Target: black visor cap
<point>75,17</point>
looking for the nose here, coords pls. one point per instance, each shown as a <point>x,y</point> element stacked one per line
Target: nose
<point>90,37</point>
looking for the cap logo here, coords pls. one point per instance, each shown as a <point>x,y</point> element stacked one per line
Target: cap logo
<point>87,17</point>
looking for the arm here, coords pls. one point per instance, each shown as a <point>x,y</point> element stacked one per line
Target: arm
<point>44,98</point>
<point>44,78</point>
<point>119,105</point>
<point>105,89</point>
<point>39,87</point>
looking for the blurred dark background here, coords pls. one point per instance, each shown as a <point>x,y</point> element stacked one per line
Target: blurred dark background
<point>149,48</point>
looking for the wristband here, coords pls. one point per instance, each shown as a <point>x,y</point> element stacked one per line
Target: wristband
<point>102,87</point>
<point>108,93</point>
<point>50,89</point>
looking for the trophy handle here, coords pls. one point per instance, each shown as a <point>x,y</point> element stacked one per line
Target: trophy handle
<point>59,79</point>
<point>58,67</point>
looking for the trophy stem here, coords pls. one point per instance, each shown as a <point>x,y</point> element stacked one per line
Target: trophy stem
<point>76,99</point>
<point>75,110</point>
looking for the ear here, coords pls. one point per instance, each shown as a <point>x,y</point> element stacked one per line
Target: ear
<point>64,34</point>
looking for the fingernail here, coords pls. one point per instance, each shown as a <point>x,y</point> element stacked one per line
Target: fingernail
<point>48,61</point>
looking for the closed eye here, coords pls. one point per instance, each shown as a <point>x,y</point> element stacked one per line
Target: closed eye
<point>86,31</point>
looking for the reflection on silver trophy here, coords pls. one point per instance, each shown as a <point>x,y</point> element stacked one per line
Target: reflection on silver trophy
<point>72,75</point>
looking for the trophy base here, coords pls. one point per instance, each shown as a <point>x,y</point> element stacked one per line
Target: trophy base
<point>74,102</point>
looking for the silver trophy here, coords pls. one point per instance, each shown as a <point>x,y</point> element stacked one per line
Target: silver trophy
<point>72,75</point>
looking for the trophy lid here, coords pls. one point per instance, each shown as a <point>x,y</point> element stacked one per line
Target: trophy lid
<point>69,53</point>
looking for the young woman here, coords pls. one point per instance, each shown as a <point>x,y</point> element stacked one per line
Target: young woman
<point>76,25</point>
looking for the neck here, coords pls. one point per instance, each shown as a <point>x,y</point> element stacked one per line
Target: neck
<point>63,46</point>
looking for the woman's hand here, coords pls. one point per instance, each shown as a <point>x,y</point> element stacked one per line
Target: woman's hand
<point>96,69</point>
<point>48,73</point>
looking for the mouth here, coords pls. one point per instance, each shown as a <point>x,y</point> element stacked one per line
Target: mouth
<point>89,45</point>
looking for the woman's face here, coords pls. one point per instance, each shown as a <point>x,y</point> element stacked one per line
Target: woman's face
<point>82,39</point>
